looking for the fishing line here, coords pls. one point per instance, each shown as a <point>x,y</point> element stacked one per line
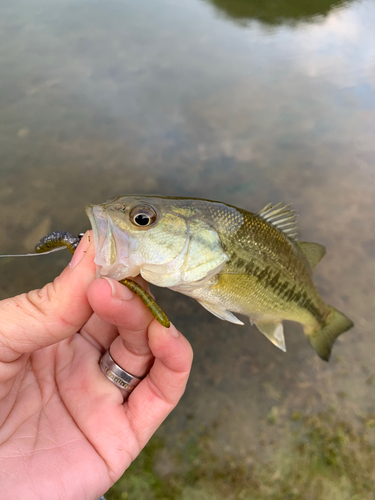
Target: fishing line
<point>35,254</point>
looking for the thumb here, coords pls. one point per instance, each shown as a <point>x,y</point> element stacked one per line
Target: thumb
<point>43,317</point>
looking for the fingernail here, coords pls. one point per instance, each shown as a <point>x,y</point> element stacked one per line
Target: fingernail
<point>119,291</point>
<point>81,250</point>
<point>172,330</point>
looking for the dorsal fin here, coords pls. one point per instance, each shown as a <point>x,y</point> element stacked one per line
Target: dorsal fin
<point>313,252</point>
<point>282,217</point>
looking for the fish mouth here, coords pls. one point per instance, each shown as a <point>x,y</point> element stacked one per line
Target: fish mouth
<point>111,245</point>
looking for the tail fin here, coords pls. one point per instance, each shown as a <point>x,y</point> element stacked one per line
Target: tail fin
<point>323,339</point>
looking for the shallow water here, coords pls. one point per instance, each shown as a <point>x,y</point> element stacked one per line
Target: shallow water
<point>238,101</point>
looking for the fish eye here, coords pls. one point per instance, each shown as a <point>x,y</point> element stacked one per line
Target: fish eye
<point>143,216</point>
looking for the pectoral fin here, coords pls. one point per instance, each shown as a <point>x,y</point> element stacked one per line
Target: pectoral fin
<point>274,331</point>
<point>221,313</point>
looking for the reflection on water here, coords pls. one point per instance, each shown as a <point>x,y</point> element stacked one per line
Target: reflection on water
<point>104,98</point>
<point>274,13</point>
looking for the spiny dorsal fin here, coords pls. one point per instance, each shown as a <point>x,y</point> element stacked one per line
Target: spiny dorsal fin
<point>313,252</point>
<point>282,217</point>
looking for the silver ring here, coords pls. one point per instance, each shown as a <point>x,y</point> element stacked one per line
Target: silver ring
<point>122,379</point>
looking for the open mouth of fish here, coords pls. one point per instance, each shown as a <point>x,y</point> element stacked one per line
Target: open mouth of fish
<point>112,246</point>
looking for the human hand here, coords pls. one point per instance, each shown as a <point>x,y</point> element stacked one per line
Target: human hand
<point>65,432</point>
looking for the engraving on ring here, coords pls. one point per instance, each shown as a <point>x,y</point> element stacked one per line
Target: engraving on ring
<point>118,381</point>
<point>123,380</point>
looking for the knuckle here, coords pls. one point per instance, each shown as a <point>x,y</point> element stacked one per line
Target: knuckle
<point>44,300</point>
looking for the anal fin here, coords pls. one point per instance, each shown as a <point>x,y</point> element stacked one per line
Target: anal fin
<point>274,331</point>
<point>221,313</point>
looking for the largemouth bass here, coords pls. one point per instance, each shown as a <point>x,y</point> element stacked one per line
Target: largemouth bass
<point>228,259</point>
